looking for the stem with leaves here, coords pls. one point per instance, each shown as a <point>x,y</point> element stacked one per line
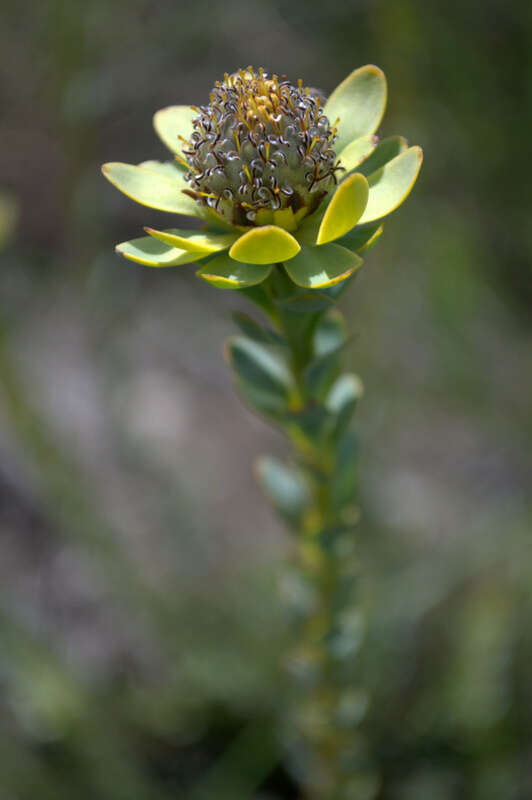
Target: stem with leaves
<point>289,371</point>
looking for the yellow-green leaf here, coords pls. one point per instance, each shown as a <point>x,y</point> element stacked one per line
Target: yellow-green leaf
<point>361,239</point>
<point>345,209</point>
<point>356,151</point>
<point>386,150</point>
<point>265,245</point>
<point>284,218</point>
<point>153,253</point>
<point>225,273</point>
<point>167,168</point>
<point>172,122</point>
<point>195,241</point>
<point>359,103</point>
<point>307,232</point>
<point>319,267</point>
<point>391,185</point>
<point>151,188</point>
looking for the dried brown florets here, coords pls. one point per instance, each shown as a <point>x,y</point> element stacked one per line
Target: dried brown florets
<point>261,144</point>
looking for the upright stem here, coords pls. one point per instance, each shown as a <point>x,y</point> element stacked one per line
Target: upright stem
<point>326,703</point>
<point>290,371</point>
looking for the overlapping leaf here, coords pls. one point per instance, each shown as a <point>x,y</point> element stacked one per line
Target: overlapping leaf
<point>151,188</point>
<point>391,185</point>
<point>322,266</point>
<point>152,253</point>
<point>225,273</point>
<point>359,103</point>
<point>173,122</point>
<point>265,245</point>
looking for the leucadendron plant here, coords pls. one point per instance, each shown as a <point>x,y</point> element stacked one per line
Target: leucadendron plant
<point>290,190</point>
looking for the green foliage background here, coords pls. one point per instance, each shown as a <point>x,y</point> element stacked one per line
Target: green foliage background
<point>140,627</point>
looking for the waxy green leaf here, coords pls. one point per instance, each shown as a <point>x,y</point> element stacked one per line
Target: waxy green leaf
<point>356,151</point>
<point>343,484</point>
<point>330,333</point>
<point>359,103</point>
<point>391,185</point>
<point>305,302</point>
<point>386,150</point>
<point>361,239</point>
<point>167,168</point>
<point>330,338</point>
<point>151,188</point>
<point>225,273</point>
<point>172,122</point>
<point>307,233</point>
<point>195,241</point>
<point>342,400</point>
<point>321,266</point>
<point>262,376</point>
<point>258,333</point>
<point>284,486</point>
<point>266,245</point>
<point>345,209</point>
<point>153,253</point>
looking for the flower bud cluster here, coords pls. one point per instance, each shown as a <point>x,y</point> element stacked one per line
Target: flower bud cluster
<point>261,143</point>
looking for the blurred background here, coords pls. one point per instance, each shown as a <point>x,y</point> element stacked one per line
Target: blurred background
<point>141,630</point>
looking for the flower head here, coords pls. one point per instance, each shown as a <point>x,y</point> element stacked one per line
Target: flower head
<point>276,175</point>
<point>260,145</point>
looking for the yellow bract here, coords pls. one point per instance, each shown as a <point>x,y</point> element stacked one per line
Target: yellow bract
<point>194,241</point>
<point>265,245</point>
<point>345,209</point>
<point>391,185</point>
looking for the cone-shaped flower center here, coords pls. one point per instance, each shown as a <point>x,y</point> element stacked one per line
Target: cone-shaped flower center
<point>261,145</point>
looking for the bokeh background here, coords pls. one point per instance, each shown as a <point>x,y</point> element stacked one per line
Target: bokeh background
<point>141,630</point>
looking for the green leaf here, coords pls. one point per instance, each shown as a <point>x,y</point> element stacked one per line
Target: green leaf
<point>329,340</point>
<point>386,150</point>
<point>305,302</point>
<point>284,486</point>
<point>151,189</point>
<point>251,328</point>
<point>356,151</point>
<point>361,239</point>
<point>338,289</point>
<point>263,377</point>
<point>359,102</point>
<point>343,483</point>
<point>172,122</point>
<point>153,253</point>
<point>347,389</point>
<point>261,298</point>
<point>330,333</point>
<point>321,373</point>
<point>344,639</point>
<point>167,168</point>
<point>322,266</point>
<point>265,245</point>
<point>307,233</point>
<point>391,185</point>
<point>345,209</point>
<point>195,241</point>
<point>342,401</point>
<point>225,273</point>
<point>311,421</point>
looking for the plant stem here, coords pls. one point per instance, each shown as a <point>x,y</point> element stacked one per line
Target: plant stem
<point>326,705</point>
<point>291,373</point>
